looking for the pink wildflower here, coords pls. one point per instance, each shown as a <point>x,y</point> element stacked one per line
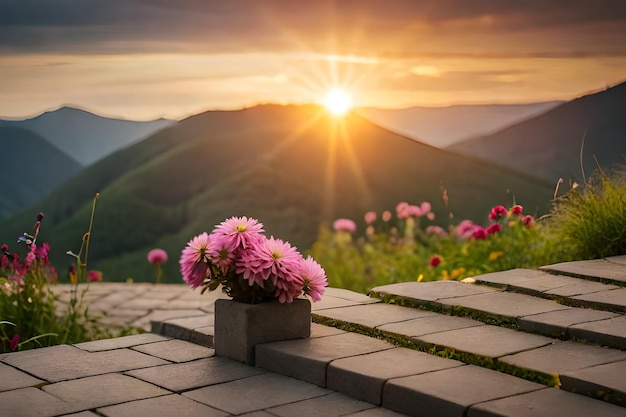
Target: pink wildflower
<point>94,276</point>
<point>480,233</point>
<point>434,261</point>
<point>528,221</point>
<point>497,212</point>
<point>425,207</point>
<point>194,258</point>
<point>436,230</point>
<point>314,279</point>
<point>42,252</point>
<point>239,232</point>
<point>370,217</point>
<point>402,210</point>
<point>15,341</point>
<point>157,256</point>
<point>494,228</point>
<point>415,211</point>
<point>431,216</point>
<point>517,210</point>
<point>466,229</point>
<point>386,216</point>
<point>344,225</point>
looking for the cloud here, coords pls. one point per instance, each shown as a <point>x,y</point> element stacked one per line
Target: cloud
<point>348,26</point>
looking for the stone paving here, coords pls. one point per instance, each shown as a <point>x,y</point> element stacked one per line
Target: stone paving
<point>519,343</point>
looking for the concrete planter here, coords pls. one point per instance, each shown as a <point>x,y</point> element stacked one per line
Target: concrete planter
<point>239,327</point>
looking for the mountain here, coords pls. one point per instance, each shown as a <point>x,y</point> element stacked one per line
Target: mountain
<point>291,167</point>
<point>548,146</point>
<point>443,126</point>
<point>30,167</point>
<point>85,136</point>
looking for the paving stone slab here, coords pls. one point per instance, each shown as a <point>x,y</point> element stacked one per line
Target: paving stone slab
<point>120,342</point>
<point>606,380</point>
<point>374,315</point>
<point>596,269</point>
<point>319,330</point>
<point>165,406</point>
<point>331,405</point>
<point>162,315</point>
<point>348,295</point>
<point>529,279</point>
<point>176,350</point>
<point>111,389</point>
<point>255,393</point>
<point>556,323</point>
<point>307,359</point>
<point>195,374</point>
<point>31,402</point>
<point>58,363</point>
<point>613,300</point>
<point>546,403</point>
<point>333,302</point>
<point>433,291</point>
<point>82,414</point>
<point>564,356</point>
<point>505,304</point>
<point>488,341</point>
<point>428,325</point>
<point>375,412</point>
<point>450,392</point>
<point>609,332</point>
<point>11,378</point>
<point>363,377</point>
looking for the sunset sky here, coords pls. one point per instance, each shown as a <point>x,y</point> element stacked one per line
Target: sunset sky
<point>144,59</point>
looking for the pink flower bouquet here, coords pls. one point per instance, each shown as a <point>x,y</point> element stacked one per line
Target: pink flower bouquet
<point>249,266</point>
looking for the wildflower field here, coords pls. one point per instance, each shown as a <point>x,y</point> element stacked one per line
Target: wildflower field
<point>409,244</point>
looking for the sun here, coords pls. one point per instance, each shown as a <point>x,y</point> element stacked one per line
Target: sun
<point>338,102</point>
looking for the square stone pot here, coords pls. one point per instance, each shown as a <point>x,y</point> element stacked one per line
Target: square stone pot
<point>239,327</point>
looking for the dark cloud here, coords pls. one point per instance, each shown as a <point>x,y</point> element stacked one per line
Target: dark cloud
<point>124,26</point>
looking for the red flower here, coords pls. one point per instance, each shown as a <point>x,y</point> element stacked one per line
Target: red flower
<point>94,276</point>
<point>480,233</point>
<point>528,221</point>
<point>497,212</point>
<point>517,210</point>
<point>434,261</point>
<point>494,228</point>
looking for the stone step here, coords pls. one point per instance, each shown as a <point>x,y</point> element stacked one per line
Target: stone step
<point>610,270</point>
<point>522,299</point>
<point>571,366</point>
<point>566,289</point>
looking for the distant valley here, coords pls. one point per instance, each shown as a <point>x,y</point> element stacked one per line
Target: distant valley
<point>294,168</point>
<point>81,136</point>
<point>444,126</point>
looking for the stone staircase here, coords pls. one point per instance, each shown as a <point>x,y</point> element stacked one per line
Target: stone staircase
<point>561,326</point>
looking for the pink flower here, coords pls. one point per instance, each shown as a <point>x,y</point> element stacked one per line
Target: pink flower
<point>480,233</point>
<point>431,216</point>
<point>402,210</point>
<point>436,230</point>
<point>94,276</point>
<point>157,256</point>
<point>528,221</point>
<point>370,217</point>
<point>494,228</point>
<point>517,210</point>
<point>386,216</point>
<point>497,212</point>
<point>314,279</point>
<point>434,261</point>
<point>415,211</point>
<point>466,229</point>
<point>15,342</point>
<point>426,207</point>
<point>239,232</point>
<point>194,260</point>
<point>270,259</point>
<point>344,225</point>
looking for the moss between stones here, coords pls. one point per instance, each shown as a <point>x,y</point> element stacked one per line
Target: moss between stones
<point>545,378</point>
<point>469,358</point>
